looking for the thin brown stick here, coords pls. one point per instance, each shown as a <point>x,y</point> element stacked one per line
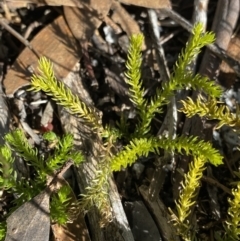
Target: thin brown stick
<point>235,65</point>
<point>18,36</point>
<point>214,182</point>
<point>225,20</point>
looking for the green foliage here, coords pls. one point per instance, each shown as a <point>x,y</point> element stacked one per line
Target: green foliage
<point>133,64</point>
<point>142,142</point>
<point>50,136</point>
<point>142,147</point>
<point>146,110</point>
<point>3,229</point>
<point>47,82</point>
<point>133,74</point>
<point>19,143</point>
<point>185,201</point>
<point>7,178</point>
<point>27,188</point>
<point>59,205</point>
<point>211,109</point>
<point>97,194</point>
<point>233,222</point>
<point>63,149</point>
<point>181,78</point>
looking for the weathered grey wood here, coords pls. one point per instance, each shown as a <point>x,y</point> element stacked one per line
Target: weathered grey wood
<point>225,20</point>
<point>89,144</point>
<point>4,116</point>
<point>161,216</point>
<point>31,221</point>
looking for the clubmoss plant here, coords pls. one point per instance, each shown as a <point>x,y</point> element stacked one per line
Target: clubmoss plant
<point>142,141</point>
<point>25,188</point>
<point>185,202</point>
<point>63,96</point>
<point>181,78</point>
<point>3,228</point>
<point>211,109</point>
<point>60,203</point>
<point>233,223</point>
